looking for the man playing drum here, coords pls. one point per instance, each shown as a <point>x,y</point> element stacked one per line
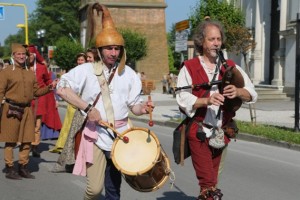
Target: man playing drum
<point>206,137</point>
<point>119,93</point>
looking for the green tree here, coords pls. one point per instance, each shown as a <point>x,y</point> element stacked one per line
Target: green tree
<point>222,11</point>
<point>135,44</point>
<point>58,18</point>
<point>65,53</point>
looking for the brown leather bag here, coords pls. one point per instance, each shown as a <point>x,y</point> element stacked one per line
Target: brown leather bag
<point>1,109</point>
<point>230,129</point>
<point>180,147</point>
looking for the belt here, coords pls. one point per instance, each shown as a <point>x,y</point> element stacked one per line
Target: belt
<point>18,104</point>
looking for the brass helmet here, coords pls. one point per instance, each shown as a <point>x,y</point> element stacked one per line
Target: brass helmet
<point>109,34</point>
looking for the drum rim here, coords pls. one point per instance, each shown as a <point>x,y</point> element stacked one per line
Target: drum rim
<point>142,171</point>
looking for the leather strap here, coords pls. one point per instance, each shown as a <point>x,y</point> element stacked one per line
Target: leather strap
<point>111,75</point>
<point>182,143</point>
<point>105,92</point>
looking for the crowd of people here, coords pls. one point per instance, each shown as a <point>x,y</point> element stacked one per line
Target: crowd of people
<point>101,89</point>
<point>169,83</point>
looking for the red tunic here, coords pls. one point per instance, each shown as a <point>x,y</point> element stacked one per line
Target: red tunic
<point>43,80</point>
<point>51,118</point>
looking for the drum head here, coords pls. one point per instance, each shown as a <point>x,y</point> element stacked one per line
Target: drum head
<point>138,155</point>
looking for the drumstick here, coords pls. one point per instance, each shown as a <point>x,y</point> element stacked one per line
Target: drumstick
<point>106,124</point>
<point>151,123</point>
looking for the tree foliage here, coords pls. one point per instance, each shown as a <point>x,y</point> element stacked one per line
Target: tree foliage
<point>222,11</point>
<point>65,53</point>
<point>135,44</point>
<point>58,18</point>
<point>238,37</point>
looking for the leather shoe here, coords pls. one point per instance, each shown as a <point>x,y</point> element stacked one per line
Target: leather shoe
<point>11,173</point>
<point>24,172</point>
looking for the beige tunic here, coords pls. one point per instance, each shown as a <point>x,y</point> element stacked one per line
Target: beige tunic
<point>20,86</point>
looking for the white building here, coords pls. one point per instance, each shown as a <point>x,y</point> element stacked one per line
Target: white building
<point>273,60</point>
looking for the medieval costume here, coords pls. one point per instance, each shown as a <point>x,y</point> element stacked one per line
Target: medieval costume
<point>19,87</point>
<point>120,91</point>
<point>51,123</point>
<point>206,105</point>
<point>39,104</point>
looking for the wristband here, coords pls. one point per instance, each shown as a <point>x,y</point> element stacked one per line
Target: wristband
<point>88,108</point>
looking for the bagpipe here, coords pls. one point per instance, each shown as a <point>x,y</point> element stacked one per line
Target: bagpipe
<point>232,76</point>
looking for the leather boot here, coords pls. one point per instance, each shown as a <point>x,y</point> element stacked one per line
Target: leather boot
<point>35,152</point>
<point>24,172</point>
<point>11,173</point>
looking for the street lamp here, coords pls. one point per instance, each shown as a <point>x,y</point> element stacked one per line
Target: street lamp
<point>40,35</point>
<point>23,26</point>
<point>20,25</point>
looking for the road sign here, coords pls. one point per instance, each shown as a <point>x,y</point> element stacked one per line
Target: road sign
<point>181,38</point>
<point>182,25</point>
<point>1,12</point>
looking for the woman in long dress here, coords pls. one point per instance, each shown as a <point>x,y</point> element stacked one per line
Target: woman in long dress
<point>64,132</point>
<point>66,160</point>
<point>51,123</point>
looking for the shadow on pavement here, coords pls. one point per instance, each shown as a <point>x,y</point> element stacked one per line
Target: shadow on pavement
<point>175,195</point>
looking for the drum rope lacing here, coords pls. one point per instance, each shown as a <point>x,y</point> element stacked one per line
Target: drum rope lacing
<point>169,171</point>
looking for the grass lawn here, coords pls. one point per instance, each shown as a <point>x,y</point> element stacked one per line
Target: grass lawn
<point>271,132</point>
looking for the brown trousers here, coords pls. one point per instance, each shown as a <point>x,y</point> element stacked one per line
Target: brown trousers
<point>24,150</point>
<point>37,130</point>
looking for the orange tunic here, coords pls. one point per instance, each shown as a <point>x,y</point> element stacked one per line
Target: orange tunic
<point>18,85</point>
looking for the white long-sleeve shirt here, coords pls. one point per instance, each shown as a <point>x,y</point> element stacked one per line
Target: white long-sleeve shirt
<point>124,93</point>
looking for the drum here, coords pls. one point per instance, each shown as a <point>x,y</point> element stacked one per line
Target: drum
<point>142,161</point>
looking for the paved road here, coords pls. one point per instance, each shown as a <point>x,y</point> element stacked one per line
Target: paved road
<point>252,172</point>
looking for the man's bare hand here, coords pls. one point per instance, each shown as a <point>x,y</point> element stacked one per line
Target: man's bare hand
<point>94,115</point>
<point>230,91</point>
<point>216,99</point>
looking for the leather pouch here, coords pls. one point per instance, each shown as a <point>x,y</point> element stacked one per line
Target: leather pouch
<point>230,129</point>
<point>15,112</point>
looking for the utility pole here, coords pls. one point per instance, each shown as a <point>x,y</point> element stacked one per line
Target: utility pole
<point>297,75</point>
<point>25,18</point>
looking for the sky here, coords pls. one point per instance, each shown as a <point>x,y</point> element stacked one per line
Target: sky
<point>14,15</point>
<point>176,11</point>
